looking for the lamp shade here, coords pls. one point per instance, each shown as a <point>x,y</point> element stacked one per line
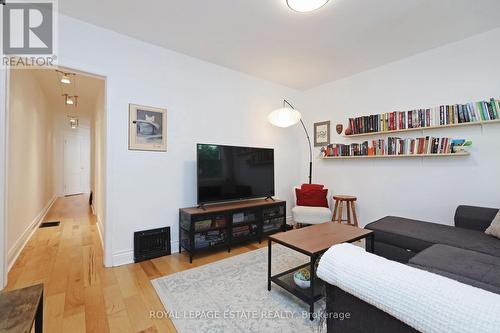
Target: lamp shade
<point>284,117</point>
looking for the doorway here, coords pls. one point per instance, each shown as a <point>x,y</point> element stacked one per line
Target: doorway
<point>55,147</point>
<point>76,162</point>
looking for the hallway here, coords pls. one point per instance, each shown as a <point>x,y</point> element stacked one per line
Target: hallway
<point>80,294</point>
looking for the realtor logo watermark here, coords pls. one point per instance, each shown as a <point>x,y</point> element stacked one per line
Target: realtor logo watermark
<point>29,33</point>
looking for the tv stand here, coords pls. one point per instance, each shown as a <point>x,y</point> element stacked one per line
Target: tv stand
<point>269,198</point>
<point>209,227</point>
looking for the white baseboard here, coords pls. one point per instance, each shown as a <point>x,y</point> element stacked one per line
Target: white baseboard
<point>123,257</point>
<point>20,243</point>
<point>100,227</point>
<point>126,257</point>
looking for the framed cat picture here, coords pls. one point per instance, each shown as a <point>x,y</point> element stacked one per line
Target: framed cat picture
<point>322,134</point>
<point>147,128</point>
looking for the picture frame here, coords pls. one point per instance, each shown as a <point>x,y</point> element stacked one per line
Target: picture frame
<point>322,134</point>
<point>147,128</point>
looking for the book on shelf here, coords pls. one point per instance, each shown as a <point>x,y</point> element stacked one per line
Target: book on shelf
<point>393,146</point>
<point>438,116</point>
<point>209,238</point>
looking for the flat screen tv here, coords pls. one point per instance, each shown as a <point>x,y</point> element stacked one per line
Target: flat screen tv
<point>227,173</point>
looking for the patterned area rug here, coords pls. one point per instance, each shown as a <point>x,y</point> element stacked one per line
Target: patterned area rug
<point>231,295</point>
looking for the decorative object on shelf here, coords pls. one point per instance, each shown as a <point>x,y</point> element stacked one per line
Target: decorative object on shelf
<point>302,278</point>
<point>147,128</point>
<point>321,133</point>
<point>397,147</point>
<point>348,131</point>
<point>461,146</point>
<point>339,129</point>
<point>286,117</point>
<point>437,117</point>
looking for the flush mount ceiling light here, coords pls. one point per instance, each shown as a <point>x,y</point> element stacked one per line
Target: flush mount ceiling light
<point>304,6</point>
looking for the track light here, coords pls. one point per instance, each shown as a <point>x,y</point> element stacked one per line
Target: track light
<point>73,123</point>
<point>65,76</point>
<point>65,79</point>
<point>70,100</point>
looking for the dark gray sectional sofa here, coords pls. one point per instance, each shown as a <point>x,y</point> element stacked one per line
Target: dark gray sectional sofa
<point>462,252</point>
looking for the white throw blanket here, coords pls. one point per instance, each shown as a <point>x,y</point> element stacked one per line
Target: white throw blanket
<point>428,302</point>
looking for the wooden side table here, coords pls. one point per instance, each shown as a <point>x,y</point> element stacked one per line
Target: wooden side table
<point>339,207</point>
<point>20,309</point>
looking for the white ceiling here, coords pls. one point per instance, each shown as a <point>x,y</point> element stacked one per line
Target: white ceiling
<point>301,50</point>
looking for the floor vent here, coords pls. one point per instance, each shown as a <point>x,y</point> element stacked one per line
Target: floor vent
<point>149,244</point>
<point>49,224</point>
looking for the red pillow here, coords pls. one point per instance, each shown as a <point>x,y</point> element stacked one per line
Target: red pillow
<point>312,186</point>
<point>312,197</point>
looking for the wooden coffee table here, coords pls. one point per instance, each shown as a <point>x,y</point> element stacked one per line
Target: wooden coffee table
<point>312,241</point>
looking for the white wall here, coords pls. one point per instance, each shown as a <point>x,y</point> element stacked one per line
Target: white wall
<point>99,163</point>
<point>3,127</point>
<point>428,189</point>
<point>205,102</point>
<point>30,188</point>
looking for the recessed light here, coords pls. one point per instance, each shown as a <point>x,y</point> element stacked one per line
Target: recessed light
<point>304,6</point>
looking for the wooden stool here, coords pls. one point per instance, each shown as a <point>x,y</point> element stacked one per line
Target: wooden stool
<point>339,205</point>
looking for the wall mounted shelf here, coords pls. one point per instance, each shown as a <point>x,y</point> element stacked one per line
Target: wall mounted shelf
<point>393,156</point>
<point>476,123</point>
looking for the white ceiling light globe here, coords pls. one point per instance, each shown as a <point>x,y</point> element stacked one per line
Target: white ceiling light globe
<point>305,5</point>
<point>284,117</point>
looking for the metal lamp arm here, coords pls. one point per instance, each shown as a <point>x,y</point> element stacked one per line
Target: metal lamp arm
<point>285,102</point>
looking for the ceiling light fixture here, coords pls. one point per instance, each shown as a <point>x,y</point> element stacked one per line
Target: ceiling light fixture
<point>70,100</point>
<point>65,79</point>
<point>73,123</point>
<point>65,76</point>
<point>304,6</point>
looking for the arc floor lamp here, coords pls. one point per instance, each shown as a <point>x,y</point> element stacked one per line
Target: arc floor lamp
<point>286,117</point>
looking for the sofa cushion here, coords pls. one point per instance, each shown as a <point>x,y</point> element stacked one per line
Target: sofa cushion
<point>474,268</point>
<point>312,197</point>
<point>418,235</point>
<point>494,228</point>
<point>475,218</point>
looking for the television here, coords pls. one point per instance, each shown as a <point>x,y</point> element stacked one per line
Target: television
<point>228,173</point>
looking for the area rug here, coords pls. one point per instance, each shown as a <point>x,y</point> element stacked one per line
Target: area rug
<point>231,295</point>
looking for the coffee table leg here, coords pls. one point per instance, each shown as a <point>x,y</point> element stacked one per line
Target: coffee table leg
<point>269,265</point>
<point>312,276</point>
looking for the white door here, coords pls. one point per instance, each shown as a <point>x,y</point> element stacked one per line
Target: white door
<point>76,164</point>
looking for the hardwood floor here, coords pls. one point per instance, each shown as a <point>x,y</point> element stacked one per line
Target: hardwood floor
<point>83,296</point>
